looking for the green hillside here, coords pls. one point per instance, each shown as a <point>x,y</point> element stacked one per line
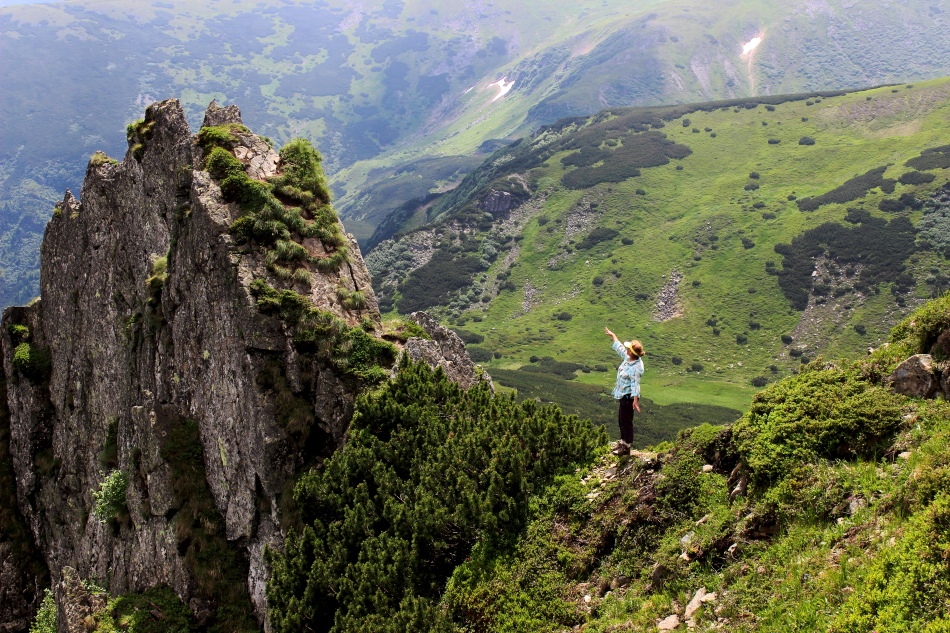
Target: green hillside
<point>824,508</point>
<point>399,95</point>
<point>771,230</point>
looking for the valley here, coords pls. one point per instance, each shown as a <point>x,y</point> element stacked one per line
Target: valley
<point>766,233</point>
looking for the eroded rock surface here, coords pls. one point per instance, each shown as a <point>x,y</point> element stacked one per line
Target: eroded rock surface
<point>152,356</point>
<point>444,349</point>
<point>916,377</point>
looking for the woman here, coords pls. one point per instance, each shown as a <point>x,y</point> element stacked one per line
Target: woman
<point>627,388</point>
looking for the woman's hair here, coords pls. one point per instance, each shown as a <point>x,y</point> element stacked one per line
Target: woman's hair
<point>635,348</point>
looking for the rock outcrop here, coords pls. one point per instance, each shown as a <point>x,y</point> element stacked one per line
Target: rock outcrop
<point>444,349</point>
<point>169,348</point>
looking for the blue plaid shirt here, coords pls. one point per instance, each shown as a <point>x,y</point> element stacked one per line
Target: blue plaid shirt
<point>628,374</point>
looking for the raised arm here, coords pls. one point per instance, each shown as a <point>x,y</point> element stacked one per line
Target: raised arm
<point>610,334</point>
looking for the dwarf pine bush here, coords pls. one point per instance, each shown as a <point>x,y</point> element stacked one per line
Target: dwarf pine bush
<point>429,471</point>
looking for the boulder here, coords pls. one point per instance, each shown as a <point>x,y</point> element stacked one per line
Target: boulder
<point>915,377</point>
<point>444,349</point>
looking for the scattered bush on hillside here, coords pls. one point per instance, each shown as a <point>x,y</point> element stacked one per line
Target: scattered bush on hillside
<point>428,471</point>
<point>880,246</point>
<point>469,338</point>
<point>759,381</point>
<point>933,232</point>
<point>774,141</point>
<point>595,237</point>
<point>648,149</point>
<point>433,283</point>
<point>741,339</point>
<point>860,329</point>
<point>479,354</point>
<point>563,316</point>
<point>806,140</point>
<point>853,189</point>
<point>916,178</point>
<point>933,158</point>
<point>697,367</point>
<point>676,360</point>
<point>548,365</point>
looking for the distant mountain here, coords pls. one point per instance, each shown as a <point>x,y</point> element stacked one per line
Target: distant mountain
<point>400,97</point>
<point>737,239</point>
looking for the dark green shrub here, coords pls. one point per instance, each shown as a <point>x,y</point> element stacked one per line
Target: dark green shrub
<point>626,241</point>
<point>853,189</point>
<point>754,175</point>
<point>598,235</point>
<point>774,141</point>
<point>433,283</point>
<point>686,122</point>
<point>697,367</point>
<point>676,360</point>
<point>563,316</point>
<point>759,381</point>
<point>933,158</point>
<point>758,205</point>
<point>469,338</point>
<point>891,206</point>
<point>479,354</point>
<point>806,140</point>
<point>741,339</point>
<point>429,470</point>
<point>770,107</point>
<point>598,280</point>
<point>787,339</point>
<point>916,178</point>
<point>820,413</point>
<point>881,246</point>
<point>860,329</point>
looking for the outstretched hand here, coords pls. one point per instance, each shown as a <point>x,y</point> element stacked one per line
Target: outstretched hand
<point>609,333</point>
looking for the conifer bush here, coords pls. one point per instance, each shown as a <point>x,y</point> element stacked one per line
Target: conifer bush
<point>821,413</point>
<point>429,471</point>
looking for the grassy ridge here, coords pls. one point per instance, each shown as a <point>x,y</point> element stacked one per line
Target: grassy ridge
<point>808,519</point>
<point>715,218</point>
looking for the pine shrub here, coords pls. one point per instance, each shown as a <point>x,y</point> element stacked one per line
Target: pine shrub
<point>429,471</point>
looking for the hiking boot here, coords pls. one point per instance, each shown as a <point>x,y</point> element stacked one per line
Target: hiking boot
<point>621,448</point>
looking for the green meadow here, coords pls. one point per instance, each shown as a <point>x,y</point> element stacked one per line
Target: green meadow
<point>601,255</point>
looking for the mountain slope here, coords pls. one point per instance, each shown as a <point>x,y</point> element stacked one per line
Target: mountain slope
<point>401,95</point>
<point>701,229</point>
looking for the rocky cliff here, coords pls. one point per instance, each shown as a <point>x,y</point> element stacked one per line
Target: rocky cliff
<point>204,328</point>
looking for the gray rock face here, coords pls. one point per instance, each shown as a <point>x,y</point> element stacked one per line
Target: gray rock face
<point>916,377</point>
<point>446,350</point>
<point>136,358</point>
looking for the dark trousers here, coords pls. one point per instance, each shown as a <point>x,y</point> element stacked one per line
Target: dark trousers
<point>625,419</point>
